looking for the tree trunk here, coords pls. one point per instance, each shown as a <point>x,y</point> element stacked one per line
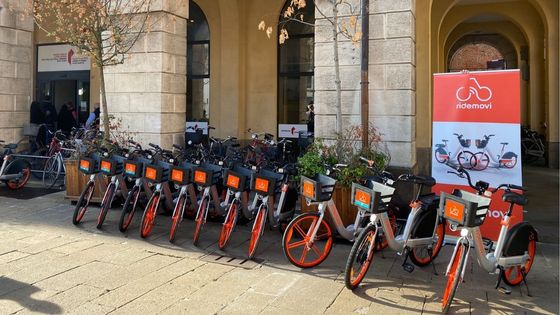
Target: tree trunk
<point>106,131</point>
<point>337,71</point>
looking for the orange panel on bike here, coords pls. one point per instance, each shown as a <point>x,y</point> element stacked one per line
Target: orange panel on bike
<point>151,173</point>
<point>180,176</point>
<point>133,169</point>
<point>235,180</point>
<point>87,166</point>
<point>261,185</point>
<point>454,211</point>
<point>200,177</point>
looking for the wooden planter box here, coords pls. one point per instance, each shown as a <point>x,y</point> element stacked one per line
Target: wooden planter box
<point>343,202</point>
<point>76,182</point>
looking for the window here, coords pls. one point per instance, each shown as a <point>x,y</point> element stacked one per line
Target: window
<point>198,65</point>
<point>295,68</point>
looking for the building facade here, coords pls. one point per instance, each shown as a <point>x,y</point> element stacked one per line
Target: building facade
<point>206,60</point>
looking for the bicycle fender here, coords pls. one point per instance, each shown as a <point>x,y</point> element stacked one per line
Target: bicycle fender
<point>517,239</point>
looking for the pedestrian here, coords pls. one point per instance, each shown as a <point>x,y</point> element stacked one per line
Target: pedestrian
<point>310,118</point>
<point>66,120</point>
<point>36,125</point>
<point>93,118</point>
<point>51,117</point>
<point>36,116</point>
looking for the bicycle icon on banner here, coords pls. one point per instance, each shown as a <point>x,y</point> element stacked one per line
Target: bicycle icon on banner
<point>482,93</point>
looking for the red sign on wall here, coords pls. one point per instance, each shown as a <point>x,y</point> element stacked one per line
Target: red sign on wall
<point>476,124</point>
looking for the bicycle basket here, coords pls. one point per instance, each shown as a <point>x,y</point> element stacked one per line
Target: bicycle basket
<point>480,144</point>
<point>156,173</point>
<point>194,138</point>
<point>318,188</point>
<point>266,182</point>
<point>88,166</point>
<point>464,208</point>
<point>465,143</point>
<point>180,175</point>
<point>111,166</point>
<point>372,199</point>
<point>207,175</point>
<point>133,169</point>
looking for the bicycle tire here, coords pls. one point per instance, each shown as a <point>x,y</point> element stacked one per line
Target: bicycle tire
<point>177,216</point>
<point>516,270</point>
<point>257,230</point>
<point>52,168</point>
<point>228,226</point>
<point>464,158</point>
<point>297,225</point>
<point>200,218</point>
<point>362,252</point>
<point>129,208</point>
<point>481,163</point>
<point>105,204</point>
<point>83,203</point>
<point>453,277</point>
<point>16,167</point>
<point>149,215</point>
<point>420,261</point>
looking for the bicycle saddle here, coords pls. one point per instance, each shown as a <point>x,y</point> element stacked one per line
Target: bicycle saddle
<point>511,197</point>
<point>504,143</point>
<point>420,180</point>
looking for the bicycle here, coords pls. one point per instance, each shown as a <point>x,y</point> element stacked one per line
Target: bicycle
<point>481,160</point>
<point>14,172</point>
<point>422,237</point>
<point>181,176</point>
<point>463,156</point>
<point>515,249</point>
<point>266,185</point>
<point>532,146</point>
<point>89,166</point>
<point>113,169</point>
<point>206,177</point>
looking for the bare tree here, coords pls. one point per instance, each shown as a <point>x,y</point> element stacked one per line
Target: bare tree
<point>106,30</point>
<point>347,27</point>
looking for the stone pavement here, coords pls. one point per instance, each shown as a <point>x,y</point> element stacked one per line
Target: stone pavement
<point>47,265</point>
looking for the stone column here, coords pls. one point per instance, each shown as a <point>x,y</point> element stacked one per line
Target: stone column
<point>148,91</point>
<point>16,34</point>
<point>391,76</point>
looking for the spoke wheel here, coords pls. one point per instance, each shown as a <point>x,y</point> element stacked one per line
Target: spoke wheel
<point>228,226</point>
<point>149,216</point>
<point>257,231</point>
<point>51,171</point>
<point>82,204</point>
<point>481,161</point>
<point>453,277</point>
<point>420,256</point>
<point>105,204</point>
<point>464,159</point>
<point>177,216</point>
<point>199,220</point>
<point>360,257</point>
<point>129,208</point>
<point>509,162</point>
<point>512,275</point>
<point>441,157</point>
<point>299,248</point>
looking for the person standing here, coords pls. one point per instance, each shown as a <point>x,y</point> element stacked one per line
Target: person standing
<point>65,118</point>
<point>51,117</point>
<point>93,118</point>
<point>310,118</point>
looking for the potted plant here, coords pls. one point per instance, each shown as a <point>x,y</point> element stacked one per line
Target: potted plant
<point>344,149</point>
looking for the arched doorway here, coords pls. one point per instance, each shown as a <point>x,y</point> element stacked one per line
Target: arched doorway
<point>296,67</point>
<point>198,65</point>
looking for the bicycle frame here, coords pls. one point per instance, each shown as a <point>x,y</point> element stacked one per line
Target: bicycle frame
<point>330,208</point>
<point>400,242</point>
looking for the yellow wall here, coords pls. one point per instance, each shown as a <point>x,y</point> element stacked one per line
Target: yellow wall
<point>439,24</point>
<point>243,68</point>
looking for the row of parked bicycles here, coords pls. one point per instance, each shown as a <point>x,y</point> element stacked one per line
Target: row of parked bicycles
<point>256,183</point>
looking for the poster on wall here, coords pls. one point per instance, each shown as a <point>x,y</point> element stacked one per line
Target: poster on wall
<point>291,130</point>
<point>476,124</point>
<point>192,126</point>
<point>61,58</point>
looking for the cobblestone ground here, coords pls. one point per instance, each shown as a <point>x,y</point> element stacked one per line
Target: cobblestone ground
<point>47,265</point>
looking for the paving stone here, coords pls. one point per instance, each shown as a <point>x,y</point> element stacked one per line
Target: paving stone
<point>10,256</point>
<point>25,296</point>
<point>297,298</point>
<point>91,308</point>
<point>248,303</point>
<point>76,276</point>
<point>76,246</point>
<point>67,300</point>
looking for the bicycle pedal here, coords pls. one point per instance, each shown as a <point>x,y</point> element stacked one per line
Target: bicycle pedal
<point>504,290</point>
<point>408,268</point>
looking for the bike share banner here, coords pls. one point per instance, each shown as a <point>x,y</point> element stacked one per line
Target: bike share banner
<point>476,124</point>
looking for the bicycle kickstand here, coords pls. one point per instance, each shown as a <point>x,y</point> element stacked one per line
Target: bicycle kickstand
<point>499,281</point>
<point>408,267</point>
<point>430,252</point>
<point>524,274</point>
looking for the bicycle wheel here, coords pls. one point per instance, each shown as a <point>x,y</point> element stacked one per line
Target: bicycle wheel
<point>149,215</point>
<point>482,160</point>
<point>420,256</point>
<point>51,171</point>
<point>360,257</point>
<point>228,225</point>
<point>508,160</point>
<point>83,202</point>
<point>106,204</point>
<point>299,248</point>
<point>441,156</point>
<point>200,218</point>
<point>177,216</point>
<point>464,159</point>
<point>453,277</point>
<point>129,208</point>
<point>257,231</point>
<point>512,275</point>
<point>16,167</point>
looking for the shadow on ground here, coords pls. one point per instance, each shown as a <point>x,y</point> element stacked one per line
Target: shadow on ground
<point>22,293</point>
